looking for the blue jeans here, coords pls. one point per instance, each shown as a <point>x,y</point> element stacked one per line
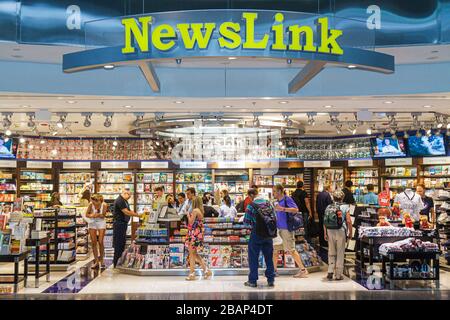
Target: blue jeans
<point>255,246</point>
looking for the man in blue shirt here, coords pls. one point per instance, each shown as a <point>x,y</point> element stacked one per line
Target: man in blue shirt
<point>370,197</point>
<point>284,207</point>
<point>257,244</point>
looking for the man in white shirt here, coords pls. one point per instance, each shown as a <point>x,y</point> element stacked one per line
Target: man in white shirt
<point>183,204</point>
<point>410,202</point>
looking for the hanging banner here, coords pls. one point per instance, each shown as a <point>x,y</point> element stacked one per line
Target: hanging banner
<point>398,162</point>
<point>8,164</point>
<point>317,164</point>
<point>39,165</point>
<point>436,160</point>
<point>193,165</point>
<point>154,165</point>
<point>76,165</point>
<point>114,165</point>
<point>360,163</point>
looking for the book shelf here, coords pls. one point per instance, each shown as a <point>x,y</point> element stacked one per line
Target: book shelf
<point>361,177</point>
<point>111,183</point>
<point>36,187</point>
<point>436,176</point>
<point>201,180</point>
<point>61,224</point>
<point>8,189</point>
<point>236,182</point>
<point>71,183</point>
<point>146,182</point>
<point>400,178</point>
<point>82,242</point>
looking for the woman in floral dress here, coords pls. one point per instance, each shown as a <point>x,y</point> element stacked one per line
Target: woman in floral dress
<point>194,243</point>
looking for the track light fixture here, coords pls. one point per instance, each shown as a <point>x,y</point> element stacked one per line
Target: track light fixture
<point>406,134</point>
<point>87,121</point>
<point>287,120</point>
<point>31,117</point>
<point>339,128</point>
<point>108,119</point>
<point>139,117</point>
<point>415,117</point>
<point>7,119</point>
<point>311,120</point>
<point>334,118</point>
<point>158,117</point>
<point>62,119</point>
<point>438,121</point>
<point>256,122</point>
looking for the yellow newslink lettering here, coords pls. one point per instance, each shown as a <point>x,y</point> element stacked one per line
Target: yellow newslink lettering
<point>250,42</point>
<point>141,37</point>
<point>164,37</point>
<point>202,39</point>
<point>230,35</point>
<point>328,38</point>
<point>164,32</point>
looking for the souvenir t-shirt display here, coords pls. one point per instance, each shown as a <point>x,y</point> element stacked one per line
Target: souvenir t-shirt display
<point>410,202</point>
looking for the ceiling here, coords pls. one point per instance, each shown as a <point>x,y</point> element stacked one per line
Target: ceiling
<point>272,109</point>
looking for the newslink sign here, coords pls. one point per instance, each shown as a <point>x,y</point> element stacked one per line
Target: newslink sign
<point>140,35</point>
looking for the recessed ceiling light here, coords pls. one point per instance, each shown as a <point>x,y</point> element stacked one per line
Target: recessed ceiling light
<point>388,102</point>
<point>351,66</point>
<point>232,58</point>
<point>228,106</point>
<point>428,106</point>
<point>25,106</point>
<point>108,66</point>
<point>71,101</point>
<point>128,106</point>
<point>328,106</point>
<point>178,102</point>
<point>283,102</point>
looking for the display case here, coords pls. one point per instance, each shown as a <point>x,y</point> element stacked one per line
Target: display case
<point>361,177</point>
<point>200,180</point>
<point>8,190</point>
<point>71,183</point>
<point>236,182</point>
<point>146,182</point>
<point>35,187</point>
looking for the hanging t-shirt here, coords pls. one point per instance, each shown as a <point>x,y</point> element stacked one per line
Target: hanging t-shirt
<point>410,202</point>
<point>428,204</point>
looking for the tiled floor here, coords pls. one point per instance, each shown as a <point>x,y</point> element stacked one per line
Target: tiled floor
<point>82,282</point>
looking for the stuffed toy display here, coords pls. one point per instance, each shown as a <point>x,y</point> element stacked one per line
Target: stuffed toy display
<point>407,220</point>
<point>424,224</point>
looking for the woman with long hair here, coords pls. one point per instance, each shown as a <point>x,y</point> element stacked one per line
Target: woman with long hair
<point>226,209</point>
<point>96,213</point>
<point>194,243</point>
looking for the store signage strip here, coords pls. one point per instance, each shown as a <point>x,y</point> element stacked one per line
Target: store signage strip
<point>360,163</point>
<point>231,165</point>
<point>399,162</point>
<point>114,165</point>
<point>76,165</point>
<point>317,164</point>
<point>436,160</point>
<point>193,165</point>
<point>8,164</point>
<point>39,165</point>
<point>154,165</point>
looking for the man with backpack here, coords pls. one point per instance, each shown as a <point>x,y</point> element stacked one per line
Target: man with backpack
<point>337,229</point>
<point>286,209</point>
<point>260,215</point>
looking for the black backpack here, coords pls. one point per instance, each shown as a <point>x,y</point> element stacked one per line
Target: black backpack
<point>266,220</point>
